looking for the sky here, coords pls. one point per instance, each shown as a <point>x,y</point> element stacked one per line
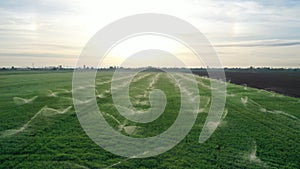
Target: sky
<point>260,33</point>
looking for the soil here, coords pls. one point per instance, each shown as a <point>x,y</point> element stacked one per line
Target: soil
<point>285,82</point>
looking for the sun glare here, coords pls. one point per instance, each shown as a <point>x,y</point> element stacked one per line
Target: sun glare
<point>120,52</point>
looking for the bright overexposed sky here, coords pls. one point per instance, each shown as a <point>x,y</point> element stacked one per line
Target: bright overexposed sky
<point>243,32</point>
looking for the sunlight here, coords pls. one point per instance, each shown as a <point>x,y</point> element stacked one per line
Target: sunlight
<point>128,47</point>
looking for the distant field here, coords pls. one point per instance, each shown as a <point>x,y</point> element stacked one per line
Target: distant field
<point>286,82</point>
<point>39,127</point>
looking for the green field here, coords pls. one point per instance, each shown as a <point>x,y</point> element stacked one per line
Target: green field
<point>39,127</point>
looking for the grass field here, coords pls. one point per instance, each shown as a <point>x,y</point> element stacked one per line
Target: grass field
<point>39,127</point>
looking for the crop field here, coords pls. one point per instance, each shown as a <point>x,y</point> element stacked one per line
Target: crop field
<point>39,127</point>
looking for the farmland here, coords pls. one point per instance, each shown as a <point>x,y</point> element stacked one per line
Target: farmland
<point>39,127</point>
<point>286,82</point>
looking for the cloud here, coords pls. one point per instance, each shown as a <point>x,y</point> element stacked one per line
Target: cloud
<point>261,43</point>
<point>33,54</point>
<point>247,11</point>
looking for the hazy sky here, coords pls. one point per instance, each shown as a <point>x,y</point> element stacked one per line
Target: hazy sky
<point>244,33</point>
